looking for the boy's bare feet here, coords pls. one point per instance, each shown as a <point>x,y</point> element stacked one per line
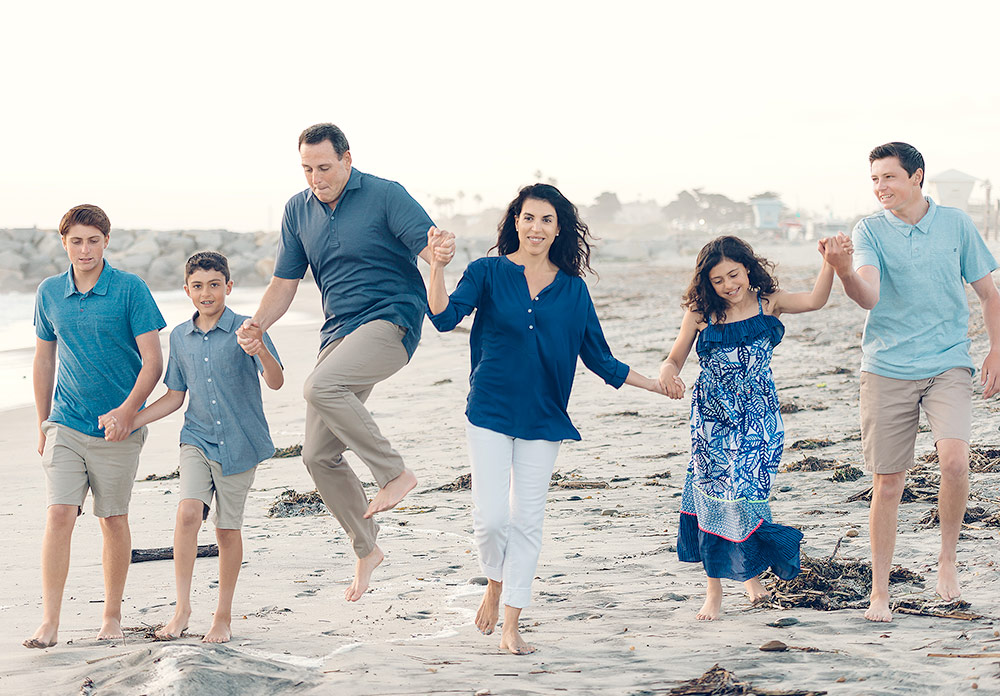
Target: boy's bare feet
<point>111,629</point>
<point>947,584</point>
<point>489,608</point>
<point>45,637</point>
<point>174,628</point>
<point>220,632</point>
<point>713,601</point>
<point>878,609</point>
<point>363,574</point>
<point>392,493</point>
<point>756,591</point>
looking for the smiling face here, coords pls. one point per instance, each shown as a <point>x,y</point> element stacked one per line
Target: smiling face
<point>730,281</point>
<point>85,247</point>
<point>893,187</point>
<point>537,227</point>
<point>208,290</point>
<point>326,173</point>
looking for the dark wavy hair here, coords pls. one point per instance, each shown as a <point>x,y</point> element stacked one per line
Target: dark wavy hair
<point>570,250</point>
<point>701,295</point>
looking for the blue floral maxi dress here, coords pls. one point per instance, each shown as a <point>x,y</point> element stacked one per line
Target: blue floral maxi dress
<point>737,436</point>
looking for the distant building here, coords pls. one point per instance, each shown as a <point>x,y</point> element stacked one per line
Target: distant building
<point>952,188</point>
<point>767,212</point>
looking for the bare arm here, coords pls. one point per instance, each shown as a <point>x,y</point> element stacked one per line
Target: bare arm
<point>43,377</point>
<point>861,285</point>
<point>274,376</point>
<point>121,418</point>
<point>162,407</point>
<point>440,250</point>
<point>798,302</point>
<point>989,299</point>
<point>276,300</point>
<point>670,370</point>
<point>636,379</point>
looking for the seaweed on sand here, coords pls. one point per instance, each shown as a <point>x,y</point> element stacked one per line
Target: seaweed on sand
<point>719,681</point>
<point>462,483</point>
<point>982,460</point>
<point>973,514</point>
<point>287,452</point>
<point>809,463</point>
<point>293,504</point>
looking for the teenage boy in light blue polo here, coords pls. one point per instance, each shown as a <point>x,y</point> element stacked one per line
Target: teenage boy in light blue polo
<point>224,437</point>
<point>103,326</point>
<point>911,263</point>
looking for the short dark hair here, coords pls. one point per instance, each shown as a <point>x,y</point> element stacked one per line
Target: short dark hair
<point>207,261</point>
<point>701,296</point>
<point>909,157</point>
<point>571,249</point>
<point>86,214</point>
<point>325,131</point>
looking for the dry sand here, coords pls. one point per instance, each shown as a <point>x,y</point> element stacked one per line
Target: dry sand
<point>614,609</point>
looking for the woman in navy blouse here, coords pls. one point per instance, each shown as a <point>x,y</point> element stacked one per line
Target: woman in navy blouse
<point>534,319</point>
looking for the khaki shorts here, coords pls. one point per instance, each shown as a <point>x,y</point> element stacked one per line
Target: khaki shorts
<point>201,478</point>
<point>890,411</point>
<point>75,462</point>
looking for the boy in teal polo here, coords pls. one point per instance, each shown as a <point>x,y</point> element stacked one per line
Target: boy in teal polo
<point>911,263</point>
<point>103,326</point>
<point>224,436</point>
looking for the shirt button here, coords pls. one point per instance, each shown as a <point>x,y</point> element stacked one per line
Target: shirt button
<point>531,326</point>
<point>222,442</point>
<point>206,359</point>
<point>218,422</point>
<point>534,299</point>
<point>529,311</point>
<point>209,379</point>
<point>206,338</point>
<point>213,401</point>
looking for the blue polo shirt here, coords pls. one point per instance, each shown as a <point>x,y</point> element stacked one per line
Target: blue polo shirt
<point>225,413</point>
<point>920,326</point>
<point>362,255</point>
<point>95,342</point>
<point>525,349</point>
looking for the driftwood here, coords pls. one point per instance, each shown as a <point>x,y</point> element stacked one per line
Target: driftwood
<point>973,514</point>
<point>719,681</point>
<point>982,460</point>
<point>829,584</point>
<point>167,553</point>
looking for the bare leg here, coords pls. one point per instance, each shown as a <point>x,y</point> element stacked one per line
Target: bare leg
<point>510,635</point>
<point>489,608</point>
<point>952,499</point>
<point>392,493</point>
<point>756,590</point>
<point>713,601</point>
<point>363,574</point>
<point>189,517</point>
<point>115,558</point>
<point>887,490</point>
<point>230,558</point>
<point>59,522</point>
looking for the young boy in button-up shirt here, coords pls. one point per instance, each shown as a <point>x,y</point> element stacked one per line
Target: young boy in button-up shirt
<point>224,436</point>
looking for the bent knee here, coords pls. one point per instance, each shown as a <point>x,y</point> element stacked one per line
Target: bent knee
<point>315,391</point>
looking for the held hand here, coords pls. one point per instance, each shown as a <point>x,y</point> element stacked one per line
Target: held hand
<point>673,386</point>
<point>990,378</point>
<point>656,387</point>
<point>442,246</point>
<point>250,337</point>
<point>837,252</point>
<point>116,424</point>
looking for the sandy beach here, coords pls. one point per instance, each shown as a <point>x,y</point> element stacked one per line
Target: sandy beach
<point>613,608</point>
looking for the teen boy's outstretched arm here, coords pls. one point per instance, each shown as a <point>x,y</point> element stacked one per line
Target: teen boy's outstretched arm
<point>152,367</point>
<point>989,299</point>
<point>43,375</point>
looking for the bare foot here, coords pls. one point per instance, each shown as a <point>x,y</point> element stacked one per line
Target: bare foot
<point>362,574</point>
<point>947,584</point>
<point>713,601</point>
<point>46,636</point>
<point>220,632</point>
<point>878,609</point>
<point>392,493</point>
<point>174,628</point>
<point>756,591</point>
<point>511,641</point>
<point>111,629</point>
<point>489,608</point>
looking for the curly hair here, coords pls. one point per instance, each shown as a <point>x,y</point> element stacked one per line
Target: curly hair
<point>570,250</point>
<point>701,295</point>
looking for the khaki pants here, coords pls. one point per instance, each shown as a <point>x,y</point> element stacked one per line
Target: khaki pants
<point>336,419</point>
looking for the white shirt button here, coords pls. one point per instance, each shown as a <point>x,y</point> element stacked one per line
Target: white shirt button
<point>209,379</point>
<point>529,311</point>
<point>218,422</point>
<point>206,338</point>
<point>222,442</point>
<point>531,326</point>
<point>213,401</point>
<point>206,359</point>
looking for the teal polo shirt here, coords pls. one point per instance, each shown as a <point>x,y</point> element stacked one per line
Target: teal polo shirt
<point>920,326</point>
<point>362,254</point>
<point>95,334</point>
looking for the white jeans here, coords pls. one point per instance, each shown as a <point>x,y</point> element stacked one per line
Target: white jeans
<point>510,481</point>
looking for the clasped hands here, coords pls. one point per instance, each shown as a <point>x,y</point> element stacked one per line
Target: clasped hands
<point>442,246</point>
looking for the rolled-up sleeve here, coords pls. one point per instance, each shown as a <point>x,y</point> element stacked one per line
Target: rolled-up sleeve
<point>596,354</point>
<point>461,302</point>
<point>865,253</point>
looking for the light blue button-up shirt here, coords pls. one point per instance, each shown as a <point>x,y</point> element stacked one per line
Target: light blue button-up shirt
<point>95,332</point>
<point>919,328</point>
<point>225,414</point>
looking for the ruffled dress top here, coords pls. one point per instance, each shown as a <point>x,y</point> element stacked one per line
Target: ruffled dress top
<point>737,437</point>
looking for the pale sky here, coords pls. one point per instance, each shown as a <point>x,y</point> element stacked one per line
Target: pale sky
<point>187,116</point>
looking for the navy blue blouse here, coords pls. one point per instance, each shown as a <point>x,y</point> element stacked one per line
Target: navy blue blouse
<point>524,348</point>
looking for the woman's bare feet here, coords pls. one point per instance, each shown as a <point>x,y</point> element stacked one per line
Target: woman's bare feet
<point>713,601</point>
<point>489,608</point>
<point>756,590</point>
<point>363,574</point>
<point>111,629</point>
<point>176,626</point>
<point>46,636</point>
<point>220,632</point>
<point>510,634</point>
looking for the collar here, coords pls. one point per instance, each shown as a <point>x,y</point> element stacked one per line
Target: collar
<point>353,182</point>
<point>100,288</point>
<point>225,323</point>
<point>923,224</point>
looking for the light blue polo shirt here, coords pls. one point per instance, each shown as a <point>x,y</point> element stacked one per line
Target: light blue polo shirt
<point>225,413</point>
<point>362,254</point>
<point>920,326</point>
<point>95,333</point>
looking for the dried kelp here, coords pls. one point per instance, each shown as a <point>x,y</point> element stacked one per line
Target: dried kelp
<point>811,443</point>
<point>719,681</point>
<point>287,452</point>
<point>175,474</point>
<point>809,463</point>
<point>293,504</point>
<point>957,609</point>
<point>846,473</point>
<point>462,483</point>
<point>982,460</point>
<point>974,514</point>
<point>922,487</point>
